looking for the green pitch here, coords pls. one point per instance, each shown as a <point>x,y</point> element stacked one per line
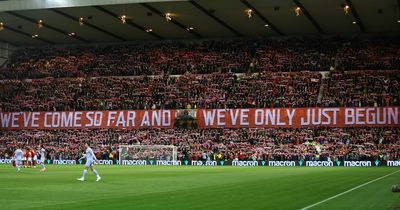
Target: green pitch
<point>183,187</point>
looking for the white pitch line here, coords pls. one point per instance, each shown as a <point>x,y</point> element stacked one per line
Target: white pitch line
<point>340,194</point>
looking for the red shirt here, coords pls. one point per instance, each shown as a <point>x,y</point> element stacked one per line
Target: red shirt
<point>28,154</point>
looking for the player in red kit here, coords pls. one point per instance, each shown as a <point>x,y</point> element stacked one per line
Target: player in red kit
<point>34,158</point>
<point>28,155</point>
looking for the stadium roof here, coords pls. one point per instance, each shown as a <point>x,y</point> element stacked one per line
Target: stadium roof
<point>147,19</point>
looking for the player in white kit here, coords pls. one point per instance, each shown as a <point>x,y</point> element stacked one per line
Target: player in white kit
<point>42,152</point>
<point>90,160</point>
<point>18,155</point>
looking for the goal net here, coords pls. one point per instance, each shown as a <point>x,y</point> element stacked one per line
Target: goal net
<point>147,152</point>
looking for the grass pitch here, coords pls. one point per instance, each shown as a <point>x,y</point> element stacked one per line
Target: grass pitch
<point>186,187</point>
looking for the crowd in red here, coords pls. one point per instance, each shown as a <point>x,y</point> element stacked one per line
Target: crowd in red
<point>204,57</point>
<point>191,91</point>
<point>212,74</point>
<point>362,88</point>
<point>218,90</point>
<point>216,144</point>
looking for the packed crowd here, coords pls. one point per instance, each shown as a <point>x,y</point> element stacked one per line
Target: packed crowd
<point>219,144</point>
<point>218,90</point>
<point>204,57</point>
<point>369,54</point>
<point>362,88</point>
<point>313,54</point>
<point>208,74</point>
<point>130,60</point>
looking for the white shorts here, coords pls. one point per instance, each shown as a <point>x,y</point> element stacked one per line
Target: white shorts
<point>29,159</point>
<point>18,162</point>
<point>89,163</point>
<point>42,160</point>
